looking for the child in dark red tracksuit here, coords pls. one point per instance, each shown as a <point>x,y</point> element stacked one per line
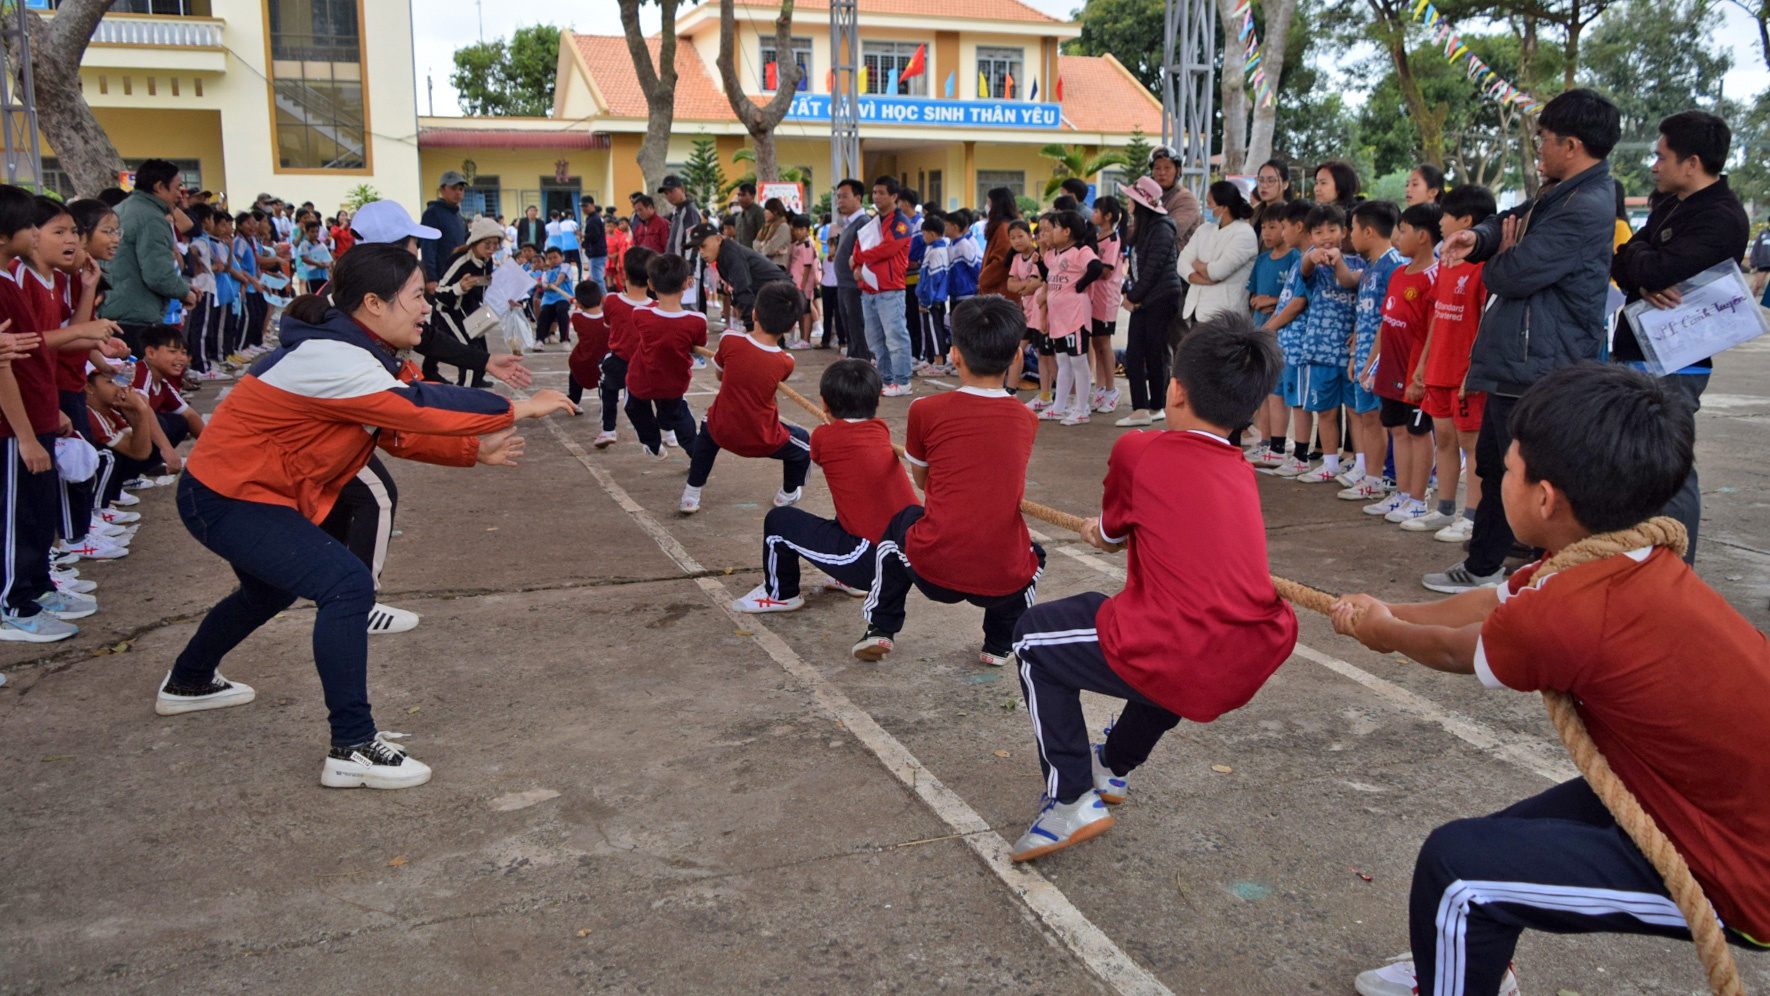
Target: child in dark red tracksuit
<point>867,485</point>
<point>663,359</point>
<point>591,326</point>
<point>968,449</point>
<point>1198,628</point>
<point>618,310</point>
<point>744,417</point>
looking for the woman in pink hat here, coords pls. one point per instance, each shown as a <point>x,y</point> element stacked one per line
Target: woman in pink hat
<point>1152,296</point>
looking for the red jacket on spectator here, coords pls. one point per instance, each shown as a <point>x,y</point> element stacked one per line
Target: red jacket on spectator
<point>653,234</point>
<point>882,254</point>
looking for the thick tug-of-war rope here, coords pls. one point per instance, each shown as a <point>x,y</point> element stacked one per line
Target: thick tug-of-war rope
<point>1686,891</point>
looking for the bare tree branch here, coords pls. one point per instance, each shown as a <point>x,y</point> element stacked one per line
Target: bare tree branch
<point>760,121</point>
<point>68,125</point>
<point>658,83</point>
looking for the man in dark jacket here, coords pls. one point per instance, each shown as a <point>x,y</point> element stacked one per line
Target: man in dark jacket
<point>1547,276</point>
<point>742,270</point>
<point>1697,224</point>
<point>444,215</point>
<point>531,230</point>
<point>593,241</point>
<point>851,217</point>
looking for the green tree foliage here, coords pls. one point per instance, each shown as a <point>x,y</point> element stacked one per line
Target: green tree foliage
<point>1654,58</point>
<point>1750,176</point>
<point>1136,157</point>
<point>1130,30</point>
<point>703,175</point>
<point>509,79</point>
<point>1068,161</point>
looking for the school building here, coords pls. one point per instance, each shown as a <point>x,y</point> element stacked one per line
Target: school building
<point>304,99</point>
<point>993,89</point>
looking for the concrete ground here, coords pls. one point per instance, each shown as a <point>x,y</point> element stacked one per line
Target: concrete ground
<point>637,792</point>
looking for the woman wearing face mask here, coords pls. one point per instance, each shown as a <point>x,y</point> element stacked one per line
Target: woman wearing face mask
<point>269,467</point>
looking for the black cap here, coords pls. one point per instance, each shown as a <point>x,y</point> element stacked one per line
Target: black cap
<point>671,181</point>
<point>701,233</point>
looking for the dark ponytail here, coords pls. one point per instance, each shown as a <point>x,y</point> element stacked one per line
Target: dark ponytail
<point>381,269</point>
<point>1228,196</point>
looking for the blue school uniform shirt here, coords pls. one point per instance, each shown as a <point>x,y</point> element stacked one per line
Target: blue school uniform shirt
<point>551,294</point>
<point>1268,276</point>
<point>227,289</point>
<point>1328,324</point>
<point>964,264</point>
<point>1371,288</point>
<point>246,256</point>
<point>1290,335</point>
<point>934,286</point>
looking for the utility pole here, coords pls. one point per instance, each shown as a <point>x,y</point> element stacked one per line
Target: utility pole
<point>479,5</point>
<point>430,88</point>
<point>18,102</point>
<point>844,100</point>
<point>1188,92</point>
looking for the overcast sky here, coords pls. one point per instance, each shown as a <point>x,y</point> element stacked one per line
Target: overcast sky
<point>445,25</point>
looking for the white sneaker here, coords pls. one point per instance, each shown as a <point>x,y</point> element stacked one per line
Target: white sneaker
<point>67,605</point>
<point>1431,521</point>
<point>691,501</point>
<point>783,498</point>
<point>117,517</point>
<point>1364,490</point>
<point>670,439</point>
<point>218,694</point>
<point>1457,579</point>
<point>1460,530</point>
<point>1052,414</point>
<point>1320,475</point>
<point>899,391</point>
<point>1080,419</point>
<point>1058,826</point>
<point>98,527</point>
<point>97,548</point>
<point>1160,415</point>
<point>74,586</point>
<point>831,584</point>
<point>604,440</point>
<point>1398,979</point>
<point>136,484</point>
<point>1108,403</point>
<point>1095,397</point>
<point>385,619</point>
<point>378,764</point>
<point>124,500</point>
<point>1413,508</point>
<point>658,454</point>
<point>1138,417</point>
<point>1111,787</point>
<point>1291,467</point>
<point>995,660</point>
<point>1348,479</point>
<point>758,600</point>
<point>1038,404</point>
<point>1389,504</point>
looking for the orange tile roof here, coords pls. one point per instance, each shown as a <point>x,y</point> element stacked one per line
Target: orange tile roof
<point>697,99</point>
<point>982,10</point>
<point>1099,96</point>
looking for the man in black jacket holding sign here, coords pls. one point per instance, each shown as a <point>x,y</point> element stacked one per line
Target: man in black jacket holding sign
<point>1697,223</point>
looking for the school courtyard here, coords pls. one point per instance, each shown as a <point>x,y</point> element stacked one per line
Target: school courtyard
<point>637,792</point>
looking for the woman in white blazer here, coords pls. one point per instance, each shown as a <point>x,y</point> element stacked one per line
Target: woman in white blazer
<point>1219,257</point>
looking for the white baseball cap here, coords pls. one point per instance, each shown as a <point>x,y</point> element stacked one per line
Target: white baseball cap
<point>387,221</point>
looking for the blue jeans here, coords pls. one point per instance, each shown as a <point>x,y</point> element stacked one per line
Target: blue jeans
<point>594,267</point>
<point>888,336</point>
<point>279,556</point>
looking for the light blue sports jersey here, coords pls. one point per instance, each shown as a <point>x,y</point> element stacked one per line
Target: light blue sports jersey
<point>1371,288</point>
<point>1328,324</point>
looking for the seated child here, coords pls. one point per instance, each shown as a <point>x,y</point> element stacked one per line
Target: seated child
<point>744,417</point>
<point>663,359</point>
<point>123,423</point>
<point>585,361</point>
<point>1667,677</point>
<point>622,339</point>
<point>867,486</point>
<point>163,361</point>
<point>1198,627</point>
<point>968,451</point>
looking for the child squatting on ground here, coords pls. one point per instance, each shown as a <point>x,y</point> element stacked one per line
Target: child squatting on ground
<point>1666,676</point>
<point>1198,627</point>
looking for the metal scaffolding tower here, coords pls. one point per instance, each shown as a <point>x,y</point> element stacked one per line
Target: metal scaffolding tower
<point>18,101</point>
<point>1188,89</point>
<point>844,101</point>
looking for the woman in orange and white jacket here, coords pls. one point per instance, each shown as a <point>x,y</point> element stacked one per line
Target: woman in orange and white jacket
<point>270,465</point>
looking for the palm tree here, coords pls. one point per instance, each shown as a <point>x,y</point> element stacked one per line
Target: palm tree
<point>787,174</point>
<point>1067,162</point>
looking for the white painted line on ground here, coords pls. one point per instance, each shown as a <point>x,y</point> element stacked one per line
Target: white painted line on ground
<point>1089,943</point>
<point>1536,755</point>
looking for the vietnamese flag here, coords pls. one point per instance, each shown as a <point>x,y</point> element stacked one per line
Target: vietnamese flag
<point>917,65</point>
<point>770,77</point>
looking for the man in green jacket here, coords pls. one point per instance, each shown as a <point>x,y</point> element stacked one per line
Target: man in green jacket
<point>144,274</point>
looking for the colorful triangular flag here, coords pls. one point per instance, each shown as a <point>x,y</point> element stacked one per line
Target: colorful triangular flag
<point>891,81</point>
<point>770,77</point>
<point>830,81</point>
<point>1059,90</point>
<point>1033,94</point>
<point>861,84</point>
<point>982,85</point>
<point>1008,87</point>
<point>949,83</point>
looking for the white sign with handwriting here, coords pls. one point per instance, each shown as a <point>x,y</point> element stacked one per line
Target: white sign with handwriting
<point>1718,312</point>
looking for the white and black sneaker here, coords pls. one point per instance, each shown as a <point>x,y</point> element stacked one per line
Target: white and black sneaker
<point>219,693</point>
<point>384,619</point>
<point>378,764</point>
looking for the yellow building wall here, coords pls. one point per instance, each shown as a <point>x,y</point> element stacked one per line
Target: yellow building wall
<point>171,134</point>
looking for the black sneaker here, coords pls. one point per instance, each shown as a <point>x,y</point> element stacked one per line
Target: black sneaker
<point>874,644</point>
<point>219,693</point>
<point>378,764</point>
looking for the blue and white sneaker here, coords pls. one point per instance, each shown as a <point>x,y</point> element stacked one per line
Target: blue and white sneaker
<point>1111,787</point>
<point>1059,825</point>
<point>67,605</point>
<point>1387,505</point>
<point>44,627</point>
